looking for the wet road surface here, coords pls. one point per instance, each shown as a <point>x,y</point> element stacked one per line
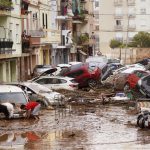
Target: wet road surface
<point>77,128</point>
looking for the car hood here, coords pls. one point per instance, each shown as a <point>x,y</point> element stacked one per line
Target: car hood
<point>52,96</point>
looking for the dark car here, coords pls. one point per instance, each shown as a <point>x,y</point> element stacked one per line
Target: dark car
<point>83,74</point>
<point>133,79</point>
<point>39,69</point>
<point>144,86</point>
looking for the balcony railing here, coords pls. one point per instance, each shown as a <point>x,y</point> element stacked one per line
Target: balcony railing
<point>118,2</point>
<point>118,16</point>
<point>6,46</point>
<point>131,2</point>
<point>5,5</point>
<point>118,27</point>
<point>36,33</point>
<point>131,27</point>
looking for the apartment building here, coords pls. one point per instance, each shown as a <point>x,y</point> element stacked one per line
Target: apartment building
<point>10,40</point>
<point>83,28</point>
<point>96,25</point>
<point>121,20</point>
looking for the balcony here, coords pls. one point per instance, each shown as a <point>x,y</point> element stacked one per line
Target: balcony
<point>83,1</point>
<point>5,7</point>
<point>24,7</point>
<point>131,27</point>
<point>6,46</point>
<point>118,2</point>
<point>118,16</point>
<point>118,27</point>
<point>131,2</point>
<point>36,33</point>
<point>25,43</point>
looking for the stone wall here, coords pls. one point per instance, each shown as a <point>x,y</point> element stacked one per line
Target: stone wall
<point>130,55</point>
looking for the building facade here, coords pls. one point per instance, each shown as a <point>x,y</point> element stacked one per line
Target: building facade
<point>10,40</point>
<point>121,20</point>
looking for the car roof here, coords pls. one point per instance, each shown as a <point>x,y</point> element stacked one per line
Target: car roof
<point>9,88</point>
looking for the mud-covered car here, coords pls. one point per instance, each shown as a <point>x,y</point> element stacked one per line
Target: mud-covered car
<point>133,79</point>
<point>121,79</point>
<point>41,94</point>
<point>13,94</point>
<point>144,86</point>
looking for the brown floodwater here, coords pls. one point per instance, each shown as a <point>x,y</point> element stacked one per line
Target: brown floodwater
<point>76,128</point>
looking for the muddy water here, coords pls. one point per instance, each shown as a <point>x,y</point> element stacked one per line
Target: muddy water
<point>79,128</point>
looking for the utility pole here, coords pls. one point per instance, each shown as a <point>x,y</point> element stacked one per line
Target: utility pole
<point>126,45</point>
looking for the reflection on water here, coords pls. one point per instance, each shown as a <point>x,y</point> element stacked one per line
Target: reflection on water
<point>83,129</point>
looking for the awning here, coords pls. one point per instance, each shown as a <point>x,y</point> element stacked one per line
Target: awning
<point>83,53</point>
<point>60,47</point>
<point>61,17</point>
<point>77,21</point>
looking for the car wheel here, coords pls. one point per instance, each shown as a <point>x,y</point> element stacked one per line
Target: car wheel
<point>126,87</point>
<point>92,83</point>
<point>141,122</point>
<point>138,119</point>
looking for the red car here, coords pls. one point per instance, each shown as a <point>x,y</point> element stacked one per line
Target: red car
<point>83,74</point>
<point>133,79</point>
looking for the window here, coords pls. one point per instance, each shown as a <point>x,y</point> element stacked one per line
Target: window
<point>46,21</point>
<point>43,20</point>
<point>63,81</point>
<point>75,74</point>
<point>10,31</point>
<point>41,81</point>
<point>96,3</point>
<point>118,22</point>
<point>17,33</point>
<point>118,11</point>
<point>143,10</point>
<point>119,36</point>
<point>143,22</point>
<point>97,28</point>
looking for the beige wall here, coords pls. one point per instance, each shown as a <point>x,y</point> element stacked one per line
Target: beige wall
<point>132,54</point>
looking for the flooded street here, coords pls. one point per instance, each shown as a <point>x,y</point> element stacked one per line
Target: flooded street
<point>76,128</point>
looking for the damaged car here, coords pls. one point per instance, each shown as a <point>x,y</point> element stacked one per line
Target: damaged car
<point>41,94</point>
<point>83,74</point>
<point>144,86</point>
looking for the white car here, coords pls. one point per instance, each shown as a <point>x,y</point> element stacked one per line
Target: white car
<point>12,94</point>
<point>42,94</point>
<point>57,82</point>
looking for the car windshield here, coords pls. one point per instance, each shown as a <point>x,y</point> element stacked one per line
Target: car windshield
<point>17,97</point>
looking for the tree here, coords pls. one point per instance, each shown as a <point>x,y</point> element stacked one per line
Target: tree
<point>115,43</point>
<point>142,39</point>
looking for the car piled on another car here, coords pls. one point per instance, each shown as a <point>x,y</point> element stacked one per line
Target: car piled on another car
<point>83,74</point>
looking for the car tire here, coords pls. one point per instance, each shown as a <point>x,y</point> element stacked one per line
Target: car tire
<point>92,83</point>
<point>141,122</point>
<point>126,87</point>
